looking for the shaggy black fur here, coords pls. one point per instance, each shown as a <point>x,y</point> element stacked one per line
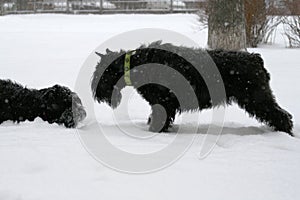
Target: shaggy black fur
<point>55,104</point>
<point>245,79</point>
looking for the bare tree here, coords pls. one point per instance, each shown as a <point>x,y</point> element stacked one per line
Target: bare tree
<point>226,24</point>
<point>292,30</point>
<point>256,21</point>
<point>293,6</point>
<point>1,7</point>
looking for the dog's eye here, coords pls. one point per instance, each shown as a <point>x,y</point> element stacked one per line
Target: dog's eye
<point>55,106</point>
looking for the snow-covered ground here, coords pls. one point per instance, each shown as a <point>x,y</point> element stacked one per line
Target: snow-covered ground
<point>39,161</point>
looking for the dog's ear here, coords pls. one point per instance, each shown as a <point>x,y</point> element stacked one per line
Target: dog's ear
<point>54,91</point>
<point>108,51</point>
<point>49,93</point>
<point>99,54</point>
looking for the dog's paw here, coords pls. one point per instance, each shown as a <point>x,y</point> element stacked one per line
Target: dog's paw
<point>283,122</point>
<point>158,127</point>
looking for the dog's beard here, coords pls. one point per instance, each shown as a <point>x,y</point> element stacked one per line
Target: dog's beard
<point>115,98</point>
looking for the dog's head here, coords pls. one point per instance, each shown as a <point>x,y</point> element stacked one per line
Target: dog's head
<point>61,105</point>
<point>108,78</point>
<point>107,81</point>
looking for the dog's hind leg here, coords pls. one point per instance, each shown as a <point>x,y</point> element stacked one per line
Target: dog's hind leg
<point>262,105</point>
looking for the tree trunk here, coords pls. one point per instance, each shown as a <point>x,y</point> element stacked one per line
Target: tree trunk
<point>256,21</point>
<point>226,25</point>
<point>22,4</point>
<point>1,7</point>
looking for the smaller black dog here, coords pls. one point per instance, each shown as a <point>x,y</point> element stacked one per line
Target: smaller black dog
<point>55,104</point>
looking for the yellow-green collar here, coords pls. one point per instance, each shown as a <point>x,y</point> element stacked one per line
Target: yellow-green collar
<point>127,68</point>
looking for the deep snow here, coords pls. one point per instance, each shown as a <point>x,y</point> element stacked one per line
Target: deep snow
<point>42,161</point>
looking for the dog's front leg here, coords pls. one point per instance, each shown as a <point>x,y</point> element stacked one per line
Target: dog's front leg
<point>160,118</point>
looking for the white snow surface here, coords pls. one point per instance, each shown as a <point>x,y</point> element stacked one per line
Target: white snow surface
<point>39,161</point>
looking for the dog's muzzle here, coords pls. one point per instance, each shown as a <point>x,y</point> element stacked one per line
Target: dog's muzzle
<point>79,113</point>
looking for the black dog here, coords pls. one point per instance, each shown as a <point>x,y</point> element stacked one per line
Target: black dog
<point>245,79</point>
<point>55,104</point>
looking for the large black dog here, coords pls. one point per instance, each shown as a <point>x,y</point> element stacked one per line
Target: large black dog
<point>245,79</point>
<point>55,104</point>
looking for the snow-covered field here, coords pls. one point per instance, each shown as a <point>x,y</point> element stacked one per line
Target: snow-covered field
<point>39,161</point>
